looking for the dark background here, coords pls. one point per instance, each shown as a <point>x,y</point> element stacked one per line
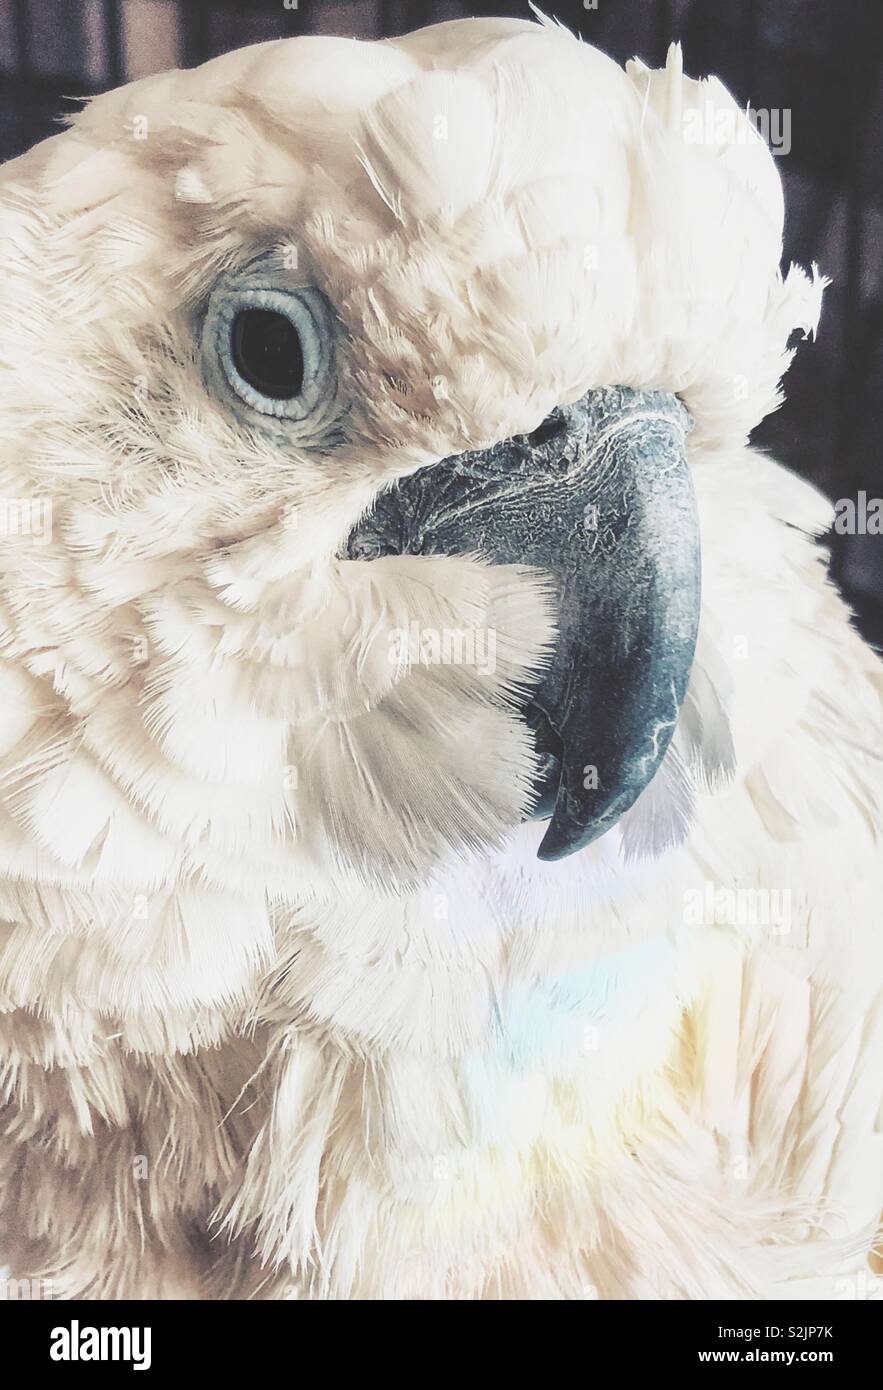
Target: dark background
<point>820,59</point>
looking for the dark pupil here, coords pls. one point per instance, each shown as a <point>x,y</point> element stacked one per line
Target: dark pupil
<point>267,353</point>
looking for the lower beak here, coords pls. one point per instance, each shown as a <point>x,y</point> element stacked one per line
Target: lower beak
<point>599,497</point>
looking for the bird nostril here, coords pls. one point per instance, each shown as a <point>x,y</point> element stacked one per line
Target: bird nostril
<point>552,427</point>
<point>366,548</point>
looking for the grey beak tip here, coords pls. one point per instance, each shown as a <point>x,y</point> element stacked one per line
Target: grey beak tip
<point>551,850</point>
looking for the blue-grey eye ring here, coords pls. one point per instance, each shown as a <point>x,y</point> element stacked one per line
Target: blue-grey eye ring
<point>275,348</point>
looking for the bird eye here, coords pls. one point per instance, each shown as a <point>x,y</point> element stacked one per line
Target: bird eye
<point>267,353</point>
<point>274,348</point>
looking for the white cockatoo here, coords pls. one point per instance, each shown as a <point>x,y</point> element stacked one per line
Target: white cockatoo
<point>410,887</point>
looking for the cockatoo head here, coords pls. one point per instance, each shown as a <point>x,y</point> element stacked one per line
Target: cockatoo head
<point>359,386</point>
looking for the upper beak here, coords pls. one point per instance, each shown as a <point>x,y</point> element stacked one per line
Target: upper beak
<point>600,497</point>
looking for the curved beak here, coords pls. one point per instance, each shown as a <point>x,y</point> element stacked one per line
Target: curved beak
<point>600,497</point>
